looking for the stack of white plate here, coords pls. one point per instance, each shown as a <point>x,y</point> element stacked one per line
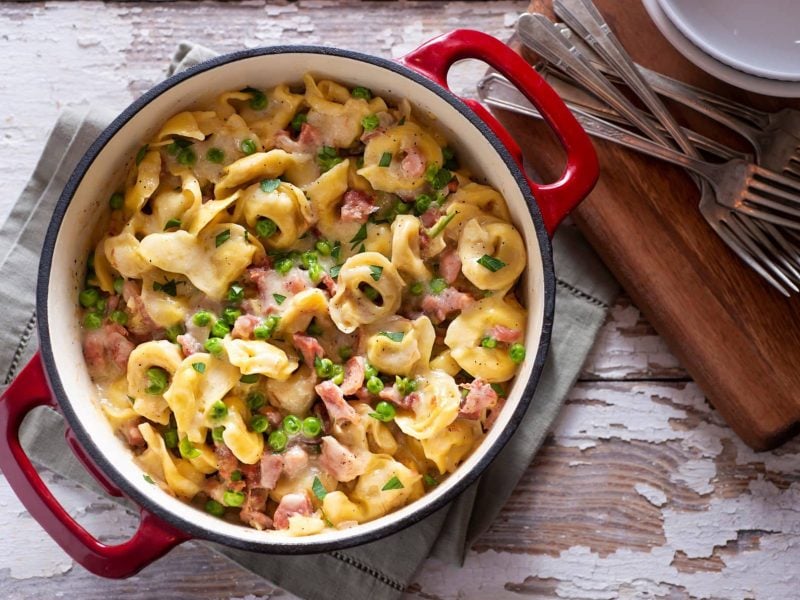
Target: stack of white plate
<point>752,44</point>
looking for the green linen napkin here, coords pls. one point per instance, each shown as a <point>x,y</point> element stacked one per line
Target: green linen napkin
<point>380,570</point>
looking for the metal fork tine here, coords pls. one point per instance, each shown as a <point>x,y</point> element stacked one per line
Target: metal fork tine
<point>726,233</point>
<point>778,179</point>
<point>764,215</point>
<point>763,201</point>
<point>792,170</point>
<point>768,239</point>
<point>736,228</point>
<point>778,193</point>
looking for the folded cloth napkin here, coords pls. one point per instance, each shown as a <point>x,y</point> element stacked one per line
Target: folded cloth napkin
<point>380,570</point>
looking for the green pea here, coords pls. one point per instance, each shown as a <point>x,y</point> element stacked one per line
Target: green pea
<point>229,315</point>
<point>215,155</point>
<point>255,400</point>
<point>438,285</point>
<point>284,265</point>
<point>259,423</point>
<point>157,380</point>
<point>89,297</point>
<point>384,411</point>
<point>316,272</point>
<point>422,204</point>
<point>265,227</point>
<point>173,331</point>
<point>361,92</point>
<point>202,318</point>
<point>100,306</point>
<point>323,366</point>
<point>187,157</point>
<point>291,424</point>
<point>324,247</point>
<point>214,346</point>
<point>374,385</point>
<point>220,329</point>
<point>236,475</point>
<point>235,293</point>
<point>345,352</point>
<point>277,440</point>
<point>312,427</point>
<point>370,371</point>
<point>187,449</point>
<point>216,434</point>
<point>517,353</point>
<point>234,499</point>
<point>215,508</point>
<point>120,317</point>
<point>489,342</point>
<point>218,410</point>
<point>118,283</point>
<point>337,376</point>
<point>248,146</point>
<point>309,258</point>
<point>370,122</point>
<point>402,208</point>
<point>416,288</point>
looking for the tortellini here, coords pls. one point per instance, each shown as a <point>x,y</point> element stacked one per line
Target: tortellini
<point>351,306</point>
<point>465,333</point>
<point>399,143</point>
<point>500,242</point>
<point>437,406</point>
<point>451,446</point>
<point>180,476</point>
<point>259,357</point>
<point>287,207</point>
<point>398,346</point>
<point>265,165</point>
<point>405,248</point>
<point>163,355</point>
<point>210,260</point>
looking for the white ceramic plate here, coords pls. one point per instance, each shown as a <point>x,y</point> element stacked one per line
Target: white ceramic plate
<point>753,83</point>
<point>761,38</point>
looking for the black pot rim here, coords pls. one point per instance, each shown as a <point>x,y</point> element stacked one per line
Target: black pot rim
<point>272,544</point>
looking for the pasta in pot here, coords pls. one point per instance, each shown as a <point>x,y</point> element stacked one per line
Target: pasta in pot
<point>301,313</point>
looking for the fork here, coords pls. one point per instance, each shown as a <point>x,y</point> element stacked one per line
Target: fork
<point>759,245</point>
<point>775,137</point>
<point>752,190</point>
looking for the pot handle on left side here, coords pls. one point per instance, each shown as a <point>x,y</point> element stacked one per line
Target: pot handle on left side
<point>557,199</point>
<point>153,539</point>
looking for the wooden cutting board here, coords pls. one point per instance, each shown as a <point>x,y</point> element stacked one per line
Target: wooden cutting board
<point>737,337</point>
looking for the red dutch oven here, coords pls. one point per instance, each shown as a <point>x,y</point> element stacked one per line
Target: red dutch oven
<point>57,376</point>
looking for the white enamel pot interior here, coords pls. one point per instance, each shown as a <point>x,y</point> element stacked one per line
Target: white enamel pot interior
<point>63,262</point>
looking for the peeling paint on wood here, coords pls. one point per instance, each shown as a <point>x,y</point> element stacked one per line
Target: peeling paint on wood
<point>641,491</point>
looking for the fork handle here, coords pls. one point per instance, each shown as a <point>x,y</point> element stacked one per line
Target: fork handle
<point>583,18</point>
<point>539,33</point>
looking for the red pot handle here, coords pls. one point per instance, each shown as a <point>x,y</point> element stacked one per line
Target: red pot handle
<point>434,58</point>
<point>153,539</point>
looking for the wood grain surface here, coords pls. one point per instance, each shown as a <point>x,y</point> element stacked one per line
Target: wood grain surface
<point>737,336</point>
<point>641,491</point>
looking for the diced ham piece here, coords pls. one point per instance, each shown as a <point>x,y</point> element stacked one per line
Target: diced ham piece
<point>491,417</point>
<point>244,325</point>
<point>130,431</point>
<point>340,461</point>
<point>431,216</point>
<point>452,187</point>
<point>273,415</point>
<point>480,397</point>
<point>357,207</point>
<point>363,394</point>
<point>296,283</point>
<point>329,283</point>
<point>189,345</point>
<point>227,463</point>
<point>107,350</point>
<point>289,506</point>
<point>505,334</point>
<point>295,460</point>
<point>271,468</point>
<point>450,265</point>
<point>413,163</point>
<point>308,142</point>
<point>354,370</point>
<point>332,397</point>
<point>396,397</point>
<point>385,120</point>
<point>309,347</point>
<point>215,489</point>
<point>140,322</point>
<point>448,301</point>
<point>252,512</point>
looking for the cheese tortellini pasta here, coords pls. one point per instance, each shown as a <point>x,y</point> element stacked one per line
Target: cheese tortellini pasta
<point>300,310</point>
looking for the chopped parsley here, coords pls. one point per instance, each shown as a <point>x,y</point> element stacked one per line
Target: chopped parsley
<point>375,272</point>
<point>258,99</point>
<point>386,159</point>
<point>148,479</point>
<point>270,185</point>
<point>319,489</point>
<point>222,237</point>
<point>327,158</point>
<point>491,263</point>
<point>279,298</point>
<point>199,367</point>
<point>393,484</point>
<point>142,153</point>
<point>172,223</point>
<point>395,336</point>
<point>359,237</point>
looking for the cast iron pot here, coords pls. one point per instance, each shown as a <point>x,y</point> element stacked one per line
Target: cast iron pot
<point>57,377</point>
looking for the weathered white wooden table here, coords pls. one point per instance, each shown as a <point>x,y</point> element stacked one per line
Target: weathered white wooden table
<point>640,492</point>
